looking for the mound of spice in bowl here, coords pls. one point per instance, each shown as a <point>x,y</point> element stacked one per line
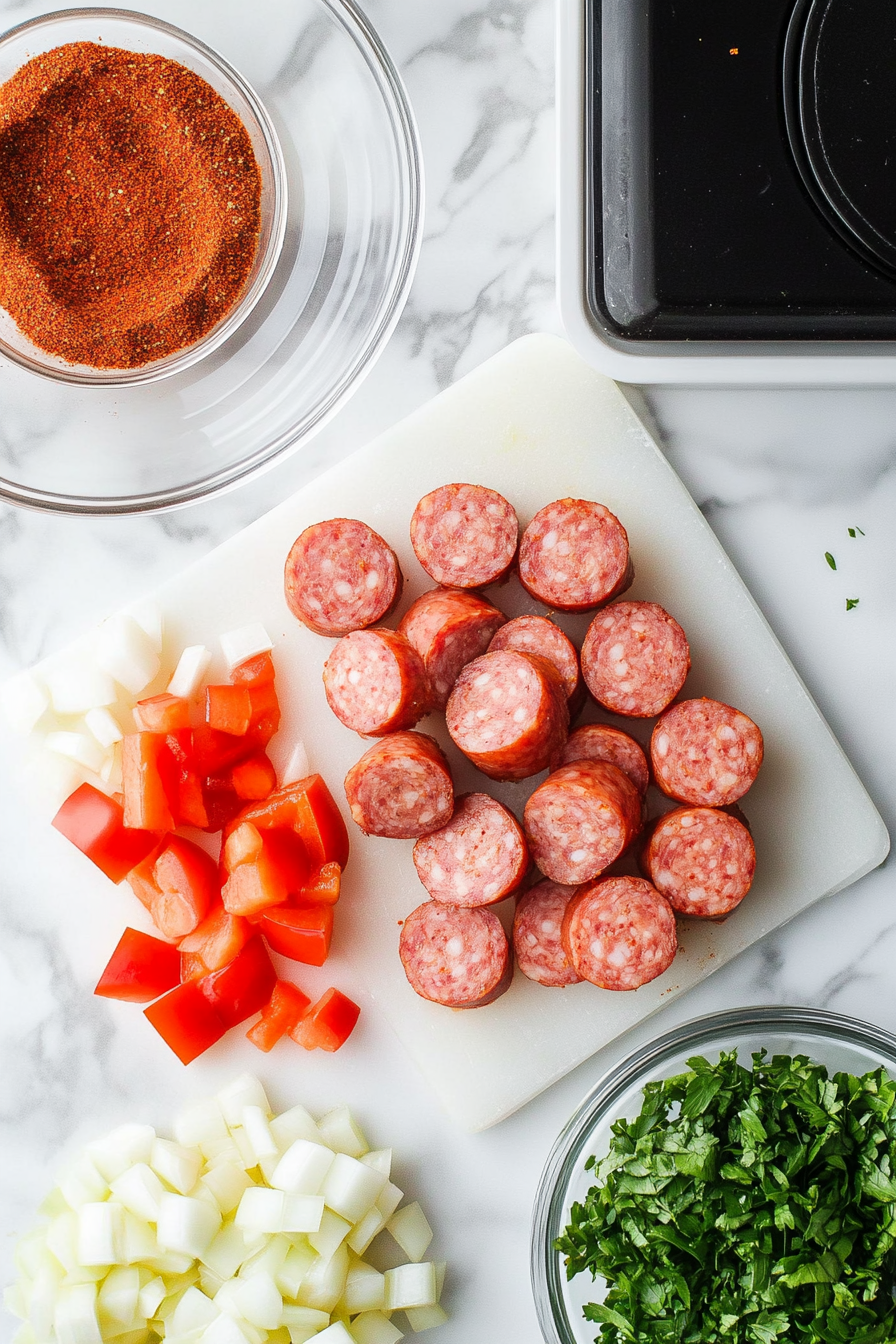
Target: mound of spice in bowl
<point>129,205</point>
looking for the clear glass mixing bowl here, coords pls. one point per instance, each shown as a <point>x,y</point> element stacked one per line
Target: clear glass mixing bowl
<point>353,175</point>
<point>841,1043</point>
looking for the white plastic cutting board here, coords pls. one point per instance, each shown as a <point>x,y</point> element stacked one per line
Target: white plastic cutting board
<point>536,423</point>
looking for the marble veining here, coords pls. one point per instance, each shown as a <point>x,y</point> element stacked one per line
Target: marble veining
<point>780,475</point>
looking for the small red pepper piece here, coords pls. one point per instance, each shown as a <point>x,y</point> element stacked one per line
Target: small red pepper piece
<point>323,887</point>
<point>302,933</point>
<point>254,778</point>
<point>218,939</point>
<point>327,1025</point>
<point>146,805</point>
<point>281,1014</point>
<point>265,718</point>
<point>186,1020</point>
<point>268,878</point>
<point>140,969</point>
<point>187,879</point>
<point>243,987</point>
<point>162,713</point>
<point>94,823</point>
<point>228,709</point>
<point>308,808</point>
<point>257,671</point>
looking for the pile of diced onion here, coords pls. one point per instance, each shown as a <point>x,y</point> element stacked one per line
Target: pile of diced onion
<point>247,1228</point>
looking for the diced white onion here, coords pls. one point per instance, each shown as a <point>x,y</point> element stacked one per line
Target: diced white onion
<point>186,1225</point>
<point>75,1318</point>
<point>258,1133</point>
<point>194,1311</point>
<point>119,1295</point>
<point>303,1168</point>
<point>296,766</point>
<point>82,748</point>
<point>363,1233</point>
<point>302,1213</point>
<point>139,1190</point>
<point>424,1318</point>
<point>23,701</point>
<point>331,1234</point>
<point>294,1124</point>
<point>243,1091</point>
<point>411,1230</point>
<point>351,1189</point>
<point>100,1233</point>
<point>81,1184</point>
<point>139,1239</point>
<point>191,668</point>
<point>289,1276</point>
<point>246,642</point>
<point>341,1132</point>
<point>148,615</point>
<point>225,1182</point>
<point>104,726</point>
<point>411,1286</point>
<point>151,1297</point>
<point>121,1149</point>
<point>225,1252</point>
<point>388,1200</point>
<point>324,1283</point>
<point>335,1334</point>
<point>126,652</point>
<point>224,1330</point>
<point>372,1327</point>
<point>307,1317</point>
<point>260,1210</point>
<point>76,683</point>
<point>62,1240</point>
<point>380,1160</point>
<point>258,1300</point>
<point>176,1164</point>
<point>365,1288</point>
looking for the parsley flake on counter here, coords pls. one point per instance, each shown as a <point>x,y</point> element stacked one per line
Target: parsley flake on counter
<point>830,559</point>
<point>851,602</point>
<point>745,1207</point>
<point>853,530</point>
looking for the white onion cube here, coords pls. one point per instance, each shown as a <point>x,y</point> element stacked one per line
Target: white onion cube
<point>127,653</point>
<point>294,1317</point>
<point>246,642</point>
<point>225,1252</point>
<point>302,1168</point>
<point>258,1300</point>
<point>151,1297</point>
<point>332,1232</point>
<point>62,1240</point>
<point>148,615</point>
<point>194,1311</point>
<point>76,683</point>
<point>139,1239</point>
<point>104,726</point>
<point>139,1190</point>
<point>176,1164</point>
<point>121,1149</point>
<point>411,1286</point>
<point>372,1327</point>
<point>363,1233</point>
<point>23,701</point>
<point>335,1334</point>
<point>186,1225</point>
<point>190,671</point>
<point>100,1233</point>
<point>258,1133</point>
<point>294,1124</point>
<point>302,1213</point>
<point>297,765</point>
<point>243,1091</point>
<point>260,1210</point>
<point>289,1276</point>
<point>75,1317</point>
<point>224,1330</point>
<point>200,1123</point>
<point>411,1230</point>
<point>341,1132</point>
<point>226,1181</point>
<point>81,1184</point>
<point>324,1283</point>
<point>388,1200</point>
<point>365,1289</point>
<point>425,1318</point>
<point>350,1188</point>
<point>380,1159</point>
<point>82,748</point>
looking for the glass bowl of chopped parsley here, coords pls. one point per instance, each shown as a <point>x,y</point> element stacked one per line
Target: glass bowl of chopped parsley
<point>733,1181</point>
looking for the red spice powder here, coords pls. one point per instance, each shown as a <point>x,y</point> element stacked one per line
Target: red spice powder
<point>129,205</point>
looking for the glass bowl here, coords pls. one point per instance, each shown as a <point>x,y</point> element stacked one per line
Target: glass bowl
<point>840,1043</point>
<point>353,216</point>
<point>142,33</point>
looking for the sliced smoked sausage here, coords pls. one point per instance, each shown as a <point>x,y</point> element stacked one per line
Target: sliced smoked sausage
<point>508,713</point>
<point>480,857</point>
<point>580,819</point>
<point>537,942</point>
<point>401,787</point>
<point>602,742</point>
<point>341,576</point>
<point>465,536</point>
<point>538,634</point>
<point>574,555</point>
<point>459,958</point>
<point>635,659</point>
<point>449,628</point>
<point>705,752</point>
<point>375,682</point>
<point>619,933</point>
<point>701,860</point>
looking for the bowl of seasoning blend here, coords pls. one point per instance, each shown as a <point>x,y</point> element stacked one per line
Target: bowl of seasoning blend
<point>143,198</point>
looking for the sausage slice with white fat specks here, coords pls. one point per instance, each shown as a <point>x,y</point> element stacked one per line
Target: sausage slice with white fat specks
<point>537,929</point>
<point>635,659</point>
<point>449,628</point>
<point>701,860</point>
<point>465,536</point>
<point>480,857</point>
<point>508,713</point>
<point>401,788</point>
<point>375,682</point>
<point>341,576</point>
<point>619,933</point>
<point>574,555</point>
<point>581,819</point>
<point>602,742</point>
<point>455,957</point>
<point>706,753</point>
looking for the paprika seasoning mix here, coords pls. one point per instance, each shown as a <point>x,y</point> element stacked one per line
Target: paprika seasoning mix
<point>129,205</point>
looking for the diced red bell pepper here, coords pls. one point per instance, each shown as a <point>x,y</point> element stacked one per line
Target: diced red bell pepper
<point>183,786</point>
<point>192,967</point>
<point>241,846</point>
<point>140,969</point>
<point>281,1014</point>
<point>323,886</point>
<point>300,932</point>
<point>142,880</point>
<point>243,987</point>
<point>218,939</point>
<point>267,879</point>
<point>94,823</point>
<point>187,879</point>
<point>228,709</point>
<point>221,803</point>
<point>265,718</point>
<point>214,752</point>
<point>328,1024</point>
<point>190,808</point>
<point>145,802</point>
<point>186,1020</point>
<point>308,808</point>
<point>256,671</point>
<point>162,713</point>
<point>254,778</point>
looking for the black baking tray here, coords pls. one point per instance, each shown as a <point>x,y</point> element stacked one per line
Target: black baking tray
<point>741,169</point>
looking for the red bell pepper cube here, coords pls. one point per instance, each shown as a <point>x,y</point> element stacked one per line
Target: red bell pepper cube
<point>228,709</point>
<point>323,887</point>
<point>265,718</point>
<point>328,1024</point>
<point>269,878</point>
<point>187,879</point>
<point>186,1020</point>
<point>243,987</point>
<point>183,786</point>
<point>218,939</point>
<point>192,967</point>
<point>257,671</point>
<point>308,808</point>
<point>254,778</point>
<point>142,880</point>
<point>146,805</point>
<point>140,969</point>
<point>300,932</point>
<point>189,808</point>
<point>94,823</point>
<point>213,752</point>
<point>280,1015</point>
<point>241,846</point>
<point>221,803</point>
<point>162,713</point>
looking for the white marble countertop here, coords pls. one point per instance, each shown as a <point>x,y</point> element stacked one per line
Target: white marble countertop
<point>780,475</point>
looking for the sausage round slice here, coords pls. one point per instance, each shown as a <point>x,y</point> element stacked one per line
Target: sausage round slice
<point>375,682</point>
<point>580,819</point>
<point>537,942</point>
<point>574,555</point>
<point>480,857</point>
<point>701,860</point>
<point>704,752</point>
<point>601,742</point>
<point>401,787</point>
<point>465,536</point>
<point>341,576</point>
<point>538,634</point>
<point>508,713</point>
<point>619,933</point>
<point>635,658</point>
<point>449,628</point>
<point>459,958</point>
